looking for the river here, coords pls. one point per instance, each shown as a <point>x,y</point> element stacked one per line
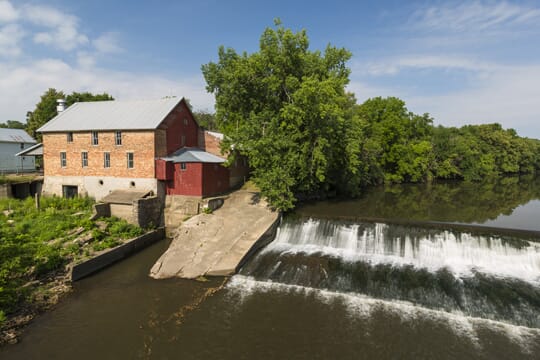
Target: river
<point>334,284</point>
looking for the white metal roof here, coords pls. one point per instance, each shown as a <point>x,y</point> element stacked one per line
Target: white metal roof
<point>15,135</point>
<point>112,115</point>
<point>193,155</point>
<point>33,150</point>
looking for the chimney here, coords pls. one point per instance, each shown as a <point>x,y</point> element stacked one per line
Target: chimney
<point>61,105</point>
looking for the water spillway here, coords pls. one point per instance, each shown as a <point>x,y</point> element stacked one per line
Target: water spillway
<point>486,276</point>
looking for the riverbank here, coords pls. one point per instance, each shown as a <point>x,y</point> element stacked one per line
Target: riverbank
<point>38,248</point>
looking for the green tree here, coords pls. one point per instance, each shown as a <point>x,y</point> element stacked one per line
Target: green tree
<point>285,107</point>
<point>45,109</point>
<point>397,146</point>
<point>206,119</point>
<point>12,124</point>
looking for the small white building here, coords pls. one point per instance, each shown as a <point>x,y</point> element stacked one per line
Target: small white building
<point>13,141</point>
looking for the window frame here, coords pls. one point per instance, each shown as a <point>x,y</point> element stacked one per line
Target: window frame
<point>95,138</point>
<point>69,136</point>
<point>106,160</point>
<point>183,166</point>
<point>63,159</point>
<point>118,138</point>
<point>130,161</point>
<point>84,159</point>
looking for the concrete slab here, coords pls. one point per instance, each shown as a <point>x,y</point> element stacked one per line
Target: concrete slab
<point>215,244</point>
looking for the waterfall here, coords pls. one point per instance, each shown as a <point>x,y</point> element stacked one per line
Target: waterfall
<point>377,243</point>
<point>486,276</point>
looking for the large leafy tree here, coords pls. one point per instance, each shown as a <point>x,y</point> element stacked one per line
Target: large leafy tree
<point>286,108</point>
<point>397,146</point>
<point>45,109</point>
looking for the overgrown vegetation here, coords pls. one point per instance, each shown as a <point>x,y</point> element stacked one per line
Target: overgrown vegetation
<point>34,244</point>
<point>286,108</point>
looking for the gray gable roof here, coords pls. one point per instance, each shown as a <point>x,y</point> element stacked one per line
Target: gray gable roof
<point>16,136</point>
<point>112,115</point>
<point>193,155</point>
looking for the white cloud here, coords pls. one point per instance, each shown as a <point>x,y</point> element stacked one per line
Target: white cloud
<point>507,95</point>
<point>108,43</point>
<point>395,65</point>
<point>22,85</point>
<point>10,36</point>
<point>63,33</point>
<point>474,16</point>
<point>7,12</point>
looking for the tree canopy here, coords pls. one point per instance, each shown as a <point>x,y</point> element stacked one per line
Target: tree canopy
<point>12,124</point>
<point>286,108</point>
<point>45,109</point>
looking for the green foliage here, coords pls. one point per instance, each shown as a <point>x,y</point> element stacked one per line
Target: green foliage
<point>12,124</point>
<point>285,108</point>
<point>45,109</point>
<point>34,242</point>
<point>206,119</point>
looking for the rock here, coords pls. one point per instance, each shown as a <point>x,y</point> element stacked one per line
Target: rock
<point>76,231</point>
<point>102,225</point>
<point>83,239</point>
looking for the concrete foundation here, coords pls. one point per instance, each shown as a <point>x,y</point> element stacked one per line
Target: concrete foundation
<point>97,186</point>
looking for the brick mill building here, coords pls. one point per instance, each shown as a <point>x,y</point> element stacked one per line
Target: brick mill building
<point>95,148</point>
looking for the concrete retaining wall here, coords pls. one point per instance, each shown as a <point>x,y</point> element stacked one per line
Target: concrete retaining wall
<point>147,211</point>
<point>5,191</point>
<point>116,254</point>
<point>264,240</point>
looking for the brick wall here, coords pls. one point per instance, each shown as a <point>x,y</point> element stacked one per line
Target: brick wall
<point>141,143</point>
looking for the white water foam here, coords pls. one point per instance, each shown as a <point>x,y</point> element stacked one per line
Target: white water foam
<point>363,307</point>
<point>461,253</point>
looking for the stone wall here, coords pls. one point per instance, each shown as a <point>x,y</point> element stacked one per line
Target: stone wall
<point>147,212</point>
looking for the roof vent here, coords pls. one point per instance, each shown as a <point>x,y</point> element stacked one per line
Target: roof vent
<point>61,105</point>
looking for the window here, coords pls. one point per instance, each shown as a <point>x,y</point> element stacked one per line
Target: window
<point>185,121</point>
<point>84,159</point>
<point>130,160</point>
<point>183,140</point>
<point>63,160</point>
<point>118,138</point>
<point>21,146</point>
<point>183,166</point>
<point>106,160</point>
<point>69,137</point>
<point>70,191</point>
<point>95,140</point>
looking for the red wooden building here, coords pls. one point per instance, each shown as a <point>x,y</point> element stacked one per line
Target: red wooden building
<point>194,172</point>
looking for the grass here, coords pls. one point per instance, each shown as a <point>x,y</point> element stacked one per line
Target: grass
<point>36,243</point>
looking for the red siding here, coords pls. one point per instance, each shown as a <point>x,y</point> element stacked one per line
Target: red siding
<point>181,129</point>
<point>198,180</point>
<point>215,179</point>
<point>186,182</point>
<point>164,170</point>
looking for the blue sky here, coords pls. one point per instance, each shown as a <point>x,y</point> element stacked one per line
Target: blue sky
<point>461,61</point>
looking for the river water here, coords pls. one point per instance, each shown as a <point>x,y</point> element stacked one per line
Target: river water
<point>334,284</point>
